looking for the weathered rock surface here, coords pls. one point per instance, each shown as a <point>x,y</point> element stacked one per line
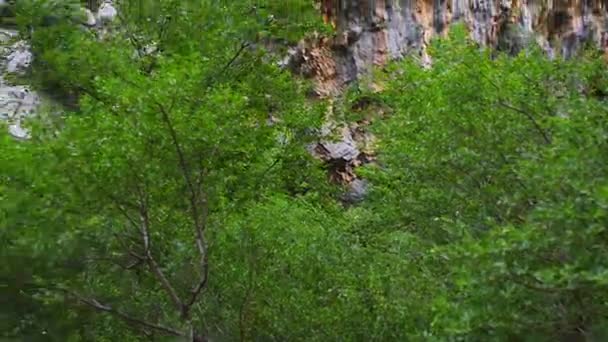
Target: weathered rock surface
<point>343,148</point>
<point>17,102</point>
<point>372,32</point>
<point>89,17</point>
<point>357,189</point>
<point>106,12</point>
<point>20,57</point>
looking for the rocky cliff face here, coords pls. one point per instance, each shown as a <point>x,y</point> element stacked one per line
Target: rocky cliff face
<point>372,32</point>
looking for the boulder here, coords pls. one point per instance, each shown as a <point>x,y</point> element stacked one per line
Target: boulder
<point>345,148</point>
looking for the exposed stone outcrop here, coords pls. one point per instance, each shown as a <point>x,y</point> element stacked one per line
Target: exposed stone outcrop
<point>19,58</point>
<point>344,147</point>
<point>16,104</point>
<point>372,32</point>
<point>343,155</point>
<point>89,17</point>
<point>106,12</point>
<point>16,101</point>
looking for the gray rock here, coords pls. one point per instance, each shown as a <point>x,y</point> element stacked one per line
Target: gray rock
<point>17,102</point>
<point>7,35</point>
<point>90,19</point>
<point>341,150</point>
<point>371,33</point>
<point>345,148</point>
<point>17,131</point>
<point>20,58</point>
<point>357,190</point>
<point>107,12</point>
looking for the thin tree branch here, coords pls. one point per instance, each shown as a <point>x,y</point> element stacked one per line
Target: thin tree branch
<point>538,285</point>
<point>508,106</point>
<point>198,201</point>
<point>133,320</point>
<point>208,81</point>
<point>238,53</point>
<point>530,117</point>
<point>124,213</point>
<point>145,235</point>
<point>178,149</point>
<point>202,283</point>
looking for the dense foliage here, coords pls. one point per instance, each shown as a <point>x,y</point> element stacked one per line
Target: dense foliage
<point>175,199</point>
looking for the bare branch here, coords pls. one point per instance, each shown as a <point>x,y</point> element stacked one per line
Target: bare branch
<point>133,264</point>
<point>126,317</point>
<point>202,283</point>
<point>178,149</point>
<point>530,117</point>
<point>535,284</point>
<point>510,107</point>
<point>124,212</point>
<point>145,235</point>
<point>198,210</point>
<point>238,53</point>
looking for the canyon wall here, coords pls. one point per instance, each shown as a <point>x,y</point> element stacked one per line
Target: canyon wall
<point>372,32</point>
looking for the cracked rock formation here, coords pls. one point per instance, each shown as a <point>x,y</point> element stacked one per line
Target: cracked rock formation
<point>372,32</point>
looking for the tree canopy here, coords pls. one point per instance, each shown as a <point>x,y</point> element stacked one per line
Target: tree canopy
<point>175,198</point>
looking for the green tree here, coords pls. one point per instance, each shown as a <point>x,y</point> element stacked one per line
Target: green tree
<point>175,198</point>
<point>498,164</point>
<point>112,204</point>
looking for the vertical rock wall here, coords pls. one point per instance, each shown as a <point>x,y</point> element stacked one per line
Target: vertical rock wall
<point>372,32</point>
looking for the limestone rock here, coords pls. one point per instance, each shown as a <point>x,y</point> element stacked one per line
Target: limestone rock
<point>342,156</point>
<point>6,36</point>
<point>345,148</point>
<point>16,104</point>
<point>20,58</point>
<point>372,32</point>
<point>17,131</point>
<point>90,19</point>
<point>107,12</point>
